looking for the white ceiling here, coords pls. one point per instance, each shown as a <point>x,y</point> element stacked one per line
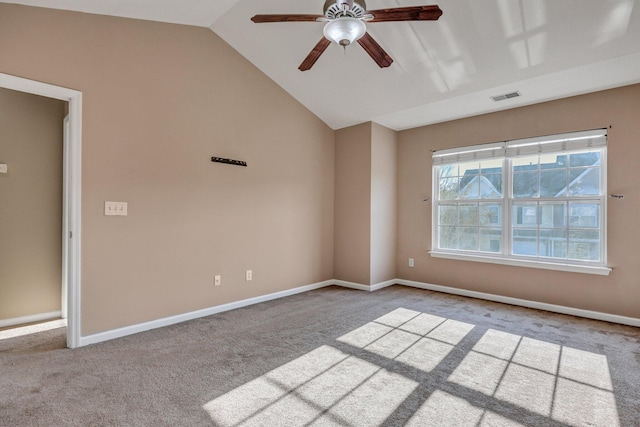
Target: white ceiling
<point>443,70</point>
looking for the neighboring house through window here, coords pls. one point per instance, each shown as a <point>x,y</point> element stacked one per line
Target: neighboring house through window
<point>538,202</point>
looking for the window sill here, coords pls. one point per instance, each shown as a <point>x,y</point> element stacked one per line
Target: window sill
<point>574,268</point>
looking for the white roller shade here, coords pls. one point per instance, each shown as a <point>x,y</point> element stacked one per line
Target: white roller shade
<point>556,143</point>
<point>523,147</point>
<point>467,154</point>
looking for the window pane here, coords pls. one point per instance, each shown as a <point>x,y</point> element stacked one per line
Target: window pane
<point>553,161</point>
<point>552,206</point>
<point>468,214</point>
<point>469,180</point>
<point>491,166</point>
<point>524,242</point>
<point>448,238</point>
<point>525,184</point>
<point>469,168</point>
<point>491,186</point>
<point>553,182</point>
<point>448,171</point>
<point>584,215</point>
<point>584,159</point>
<point>469,238</point>
<point>584,182</point>
<point>529,163</point>
<point>584,245</point>
<point>448,215</point>
<point>525,215</point>
<point>491,179</point>
<point>471,188</point>
<point>490,214</point>
<point>553,243</point>
<point>448,188</point>
<point>491,240</point>
<point>553,214</point>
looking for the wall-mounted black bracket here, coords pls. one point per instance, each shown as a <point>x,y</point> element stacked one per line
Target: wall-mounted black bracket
<point>229,161</point>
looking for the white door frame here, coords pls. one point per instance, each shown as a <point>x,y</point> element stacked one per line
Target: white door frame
<point>72,204</point>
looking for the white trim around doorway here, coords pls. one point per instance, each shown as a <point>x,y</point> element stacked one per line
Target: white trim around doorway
<point>72,175</point>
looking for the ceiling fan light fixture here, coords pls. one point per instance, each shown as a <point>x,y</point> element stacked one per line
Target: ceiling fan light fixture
<point>345,30</point>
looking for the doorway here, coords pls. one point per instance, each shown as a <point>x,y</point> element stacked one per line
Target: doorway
<point>71,215</point>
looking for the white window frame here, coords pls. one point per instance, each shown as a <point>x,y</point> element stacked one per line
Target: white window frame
<point>507,151</point>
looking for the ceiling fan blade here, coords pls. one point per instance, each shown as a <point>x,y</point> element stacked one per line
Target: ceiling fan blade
<point>315,53</point>
<point>411,13</point>
<point>259,19</point>
<point>375,51</point>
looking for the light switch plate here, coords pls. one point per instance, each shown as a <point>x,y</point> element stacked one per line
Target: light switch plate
<point>3,168</point>
<point>115,208</point>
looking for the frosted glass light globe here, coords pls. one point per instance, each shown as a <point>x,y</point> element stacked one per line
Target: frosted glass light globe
<point>345,30</point>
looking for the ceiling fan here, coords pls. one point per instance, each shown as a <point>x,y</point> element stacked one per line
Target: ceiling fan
<point>346,22</point>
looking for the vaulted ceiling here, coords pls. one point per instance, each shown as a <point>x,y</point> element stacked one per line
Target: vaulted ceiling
<point>442,70</point>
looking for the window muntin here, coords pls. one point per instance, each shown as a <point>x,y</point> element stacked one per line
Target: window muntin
<point>566,226</point>
<point>552,209</point>
<point>471,209</point>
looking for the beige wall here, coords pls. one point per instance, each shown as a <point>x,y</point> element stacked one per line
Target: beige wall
<point>352,240</point>
<point>365,204</point>
<point>159,100</point>
<point>383,203</point>
<point>616,293</point>
<point>30,204</point>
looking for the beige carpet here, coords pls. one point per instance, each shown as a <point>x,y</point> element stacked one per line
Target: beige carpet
<point>398,356</point>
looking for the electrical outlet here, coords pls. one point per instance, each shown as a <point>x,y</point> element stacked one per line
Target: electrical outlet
<point>248,275</point>
<point>411,262</point>
<point>217,281</point>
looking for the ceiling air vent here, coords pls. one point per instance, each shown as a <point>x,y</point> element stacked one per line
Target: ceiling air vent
<point>506,96</point>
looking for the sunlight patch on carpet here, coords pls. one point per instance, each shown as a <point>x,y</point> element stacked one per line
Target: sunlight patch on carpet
<point>563,383</point>
<point>422,324</point>
<point>537,354</point>
<point>585,367</point>
<point>397,317</point>
<point>498,344</point>
<point>362,381</point>
<point>32,329</point>
<point>372,402</point>
<point>443,409</point>
<point>528,388</point>
<point>451,331</point>
<point>579,404</point>
<point>392,344</point>
<point>426,354</point>
<point>365,335</point>
<point>479,372</point>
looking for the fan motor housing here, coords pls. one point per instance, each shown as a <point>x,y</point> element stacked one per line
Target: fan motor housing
<point>336,8</point>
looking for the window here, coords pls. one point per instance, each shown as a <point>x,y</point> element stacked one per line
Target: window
<point>538,202</point>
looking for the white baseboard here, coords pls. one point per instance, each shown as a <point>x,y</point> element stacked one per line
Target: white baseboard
<point>351,285</point>
<point>361,287</point>
<point>172,320</point>
<point>41,317</point>
<point>613,318</point>
<point>381,285</point>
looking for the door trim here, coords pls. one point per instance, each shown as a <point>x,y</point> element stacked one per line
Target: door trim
<point>72,171</point>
